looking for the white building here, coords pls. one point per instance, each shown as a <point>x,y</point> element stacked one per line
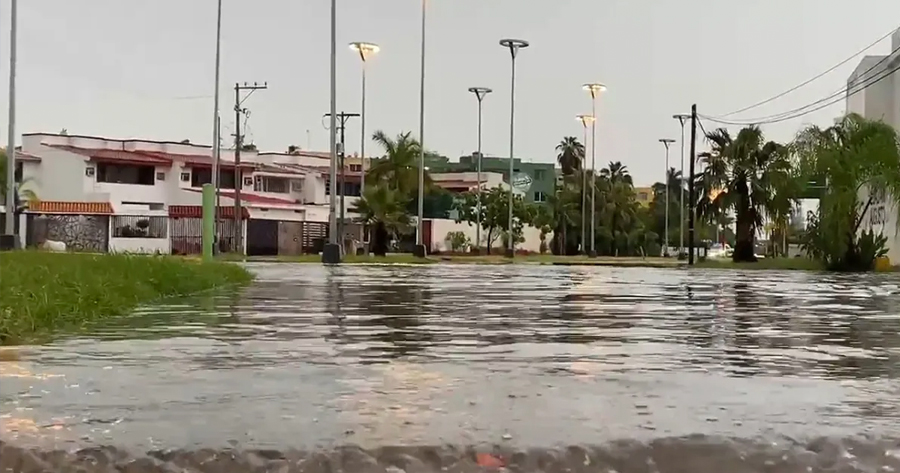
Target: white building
<point>147,182</point>
<point>879,100</point>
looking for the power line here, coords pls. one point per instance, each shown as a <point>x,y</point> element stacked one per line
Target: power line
<point>819,104</point>
<point>820,75</point>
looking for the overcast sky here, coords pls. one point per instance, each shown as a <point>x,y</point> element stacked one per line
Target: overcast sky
<point>144,69</point>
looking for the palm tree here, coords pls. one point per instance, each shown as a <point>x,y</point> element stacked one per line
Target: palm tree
<point>563,211</point>
<point>858,160</point>
<point>400,165</point>
<point>571,155</point>
<point>22,193</point>
<point>384,210</point>
<point>616,172</point>
<point>747,172</point>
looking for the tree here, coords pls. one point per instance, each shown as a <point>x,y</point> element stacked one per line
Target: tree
<point>400,165</point>
<point>495,213</point>
<point>23,195</point>
<point>859,161</point>
<point>384,210</point>
<point>748,173</point>
<point>571,155</point>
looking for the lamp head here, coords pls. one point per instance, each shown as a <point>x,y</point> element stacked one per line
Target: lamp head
<point>594,88</point>
<point>365,50</point>
<point>667,141</point>
<point>514,45</point>
<point>480,92</point>
<point>585,119</point>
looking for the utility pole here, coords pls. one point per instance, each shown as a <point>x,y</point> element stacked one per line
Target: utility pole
<point>342,123</point>
<point>691,193</point>
<point>238,143</point>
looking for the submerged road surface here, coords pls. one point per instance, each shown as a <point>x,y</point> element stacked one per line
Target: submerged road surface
<point>469,368</point>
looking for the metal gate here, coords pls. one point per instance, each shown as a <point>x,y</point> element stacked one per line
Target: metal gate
<point>187,235</point>
<point>262,237</point>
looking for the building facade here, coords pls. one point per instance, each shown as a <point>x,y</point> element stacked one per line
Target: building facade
<point>878,98</point>
<point>149,193</point>
<point>536,182</point>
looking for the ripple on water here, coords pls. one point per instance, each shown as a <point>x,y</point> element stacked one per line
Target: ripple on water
<point>312,356</point>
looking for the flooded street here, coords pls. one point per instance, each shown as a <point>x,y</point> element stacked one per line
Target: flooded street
<point>588,369</point>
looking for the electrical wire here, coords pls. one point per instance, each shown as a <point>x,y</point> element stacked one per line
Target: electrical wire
<point>819,104</point>
<point>820,75</point>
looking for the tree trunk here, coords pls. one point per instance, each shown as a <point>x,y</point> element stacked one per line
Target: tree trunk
<point>743,246</point>
<point>380,239</point>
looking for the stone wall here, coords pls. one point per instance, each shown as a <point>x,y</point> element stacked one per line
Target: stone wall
<point>89,233</point>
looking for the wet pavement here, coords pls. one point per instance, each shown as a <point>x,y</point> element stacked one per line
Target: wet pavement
<point>365,368</point>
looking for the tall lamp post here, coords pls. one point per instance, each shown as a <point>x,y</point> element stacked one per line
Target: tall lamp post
<point>594,89</point>
<point>667,142</point>
<point>514,45</point>
<point>682,119</point>
<point>216,151</point>
<point>331,254</point>
<point>480,94</point>
<point>420,250</point>
<point>365,50</point>
<point>10,238</point>
<point>585,120</point>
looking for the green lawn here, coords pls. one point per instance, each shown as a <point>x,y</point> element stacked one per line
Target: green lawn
<point>42,293</point>
<point>405,258</point>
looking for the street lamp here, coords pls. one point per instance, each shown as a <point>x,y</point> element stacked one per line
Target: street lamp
<point>585,120</point>
<point>420,250</point>
<point>331,254</point>
<point>365,50</point>
<point>480,93</point>
<point>514,45</point>
<point>216,150</point>
<point>682,119</point>
<point>11,239</point>
<point>666,142</point>
<point>594,89</point>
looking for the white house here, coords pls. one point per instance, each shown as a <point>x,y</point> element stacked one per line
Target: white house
<point>144,183</point>
<point>878,98</point>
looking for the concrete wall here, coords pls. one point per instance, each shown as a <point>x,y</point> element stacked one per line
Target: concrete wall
<point>441,227</point>
<point>140,245</point>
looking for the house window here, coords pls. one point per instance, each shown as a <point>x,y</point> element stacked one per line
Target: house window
<point>643,196</point>
<point>538,174</point>
<point>139,226</point>
<point>278,185</point>
<point>356,168</point>
<point>126,174</point>
<point>201,176</point>
<point>90,171</point>
<point>160,176</point>
<point>540,197</point>
<point>185,176</point>
<point>248,181</point>
<point>19,172</point>
<point>296,185</point>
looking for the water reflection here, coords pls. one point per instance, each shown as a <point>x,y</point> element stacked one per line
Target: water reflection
<point>444,354</point>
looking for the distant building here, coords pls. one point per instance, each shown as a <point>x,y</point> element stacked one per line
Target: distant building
<point>879,99</point>
<point>643,195</point>
<point>536,182</point>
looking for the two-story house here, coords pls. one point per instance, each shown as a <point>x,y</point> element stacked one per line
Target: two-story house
<point>149,193</point>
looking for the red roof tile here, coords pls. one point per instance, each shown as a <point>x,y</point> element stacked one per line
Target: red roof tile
<point>22,156</point>
<point>254,198</point>
<point>196,211</point>
<point>59,207</point>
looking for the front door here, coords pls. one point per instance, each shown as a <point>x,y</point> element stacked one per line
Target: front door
<point>262,237</point>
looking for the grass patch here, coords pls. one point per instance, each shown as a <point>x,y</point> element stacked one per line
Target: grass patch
<point>494,259</point>
<point>796,264</point>
<point>42,293</point>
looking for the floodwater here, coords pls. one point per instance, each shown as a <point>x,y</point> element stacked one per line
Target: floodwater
<point>470,368</point>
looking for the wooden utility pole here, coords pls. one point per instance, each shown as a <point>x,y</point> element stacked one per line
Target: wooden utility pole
<point>238,143</point>
<point>342,122</point>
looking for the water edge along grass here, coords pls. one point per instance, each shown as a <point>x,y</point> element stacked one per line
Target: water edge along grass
<point>42,293</point>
